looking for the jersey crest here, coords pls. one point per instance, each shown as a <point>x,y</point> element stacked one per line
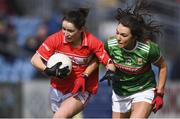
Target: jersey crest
<point>139,61</point>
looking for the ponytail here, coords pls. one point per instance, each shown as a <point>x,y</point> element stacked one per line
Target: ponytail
<point>84,11</point>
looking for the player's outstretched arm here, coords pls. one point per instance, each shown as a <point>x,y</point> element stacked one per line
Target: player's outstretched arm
<point>158,100</point>
<point>162,75</point>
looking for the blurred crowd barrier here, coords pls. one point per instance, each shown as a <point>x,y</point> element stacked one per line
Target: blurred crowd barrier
<point>30,100</point>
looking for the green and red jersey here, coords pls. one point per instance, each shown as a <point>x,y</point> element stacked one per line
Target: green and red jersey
<point>133,66</point>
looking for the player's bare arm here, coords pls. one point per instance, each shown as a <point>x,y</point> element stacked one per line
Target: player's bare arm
<point>93,64</point>
<point>37,62</point>
<point>162,75</point>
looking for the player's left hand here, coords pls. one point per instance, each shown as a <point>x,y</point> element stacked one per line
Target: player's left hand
<point>56,71</point>
<point>109,75</point>
<point>79,84</point>
<point>157,102</point>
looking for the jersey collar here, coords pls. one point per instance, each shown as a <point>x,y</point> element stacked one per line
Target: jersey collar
<point>132,49</point>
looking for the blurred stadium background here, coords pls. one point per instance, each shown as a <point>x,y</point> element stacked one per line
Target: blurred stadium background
<point>24,24</point>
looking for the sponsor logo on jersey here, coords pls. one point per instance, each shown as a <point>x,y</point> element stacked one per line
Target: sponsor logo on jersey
<point>80,60</point>
<point>133,70</point>
<point>128,61</point>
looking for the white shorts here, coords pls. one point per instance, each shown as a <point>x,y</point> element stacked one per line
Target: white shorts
<point>57,97</point>
<point>123,104</point>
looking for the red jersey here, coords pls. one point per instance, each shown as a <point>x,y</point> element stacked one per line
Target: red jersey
<point>79,56</point>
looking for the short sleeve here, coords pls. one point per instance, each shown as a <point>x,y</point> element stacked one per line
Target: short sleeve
<point>48,47</point>
<point>99,49</point>
<point>154,53</point>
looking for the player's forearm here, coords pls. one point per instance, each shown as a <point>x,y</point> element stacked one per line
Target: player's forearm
<point>110,66</point>
<point>37,62</point>
<point>162,77</point>
<point>92,66</point>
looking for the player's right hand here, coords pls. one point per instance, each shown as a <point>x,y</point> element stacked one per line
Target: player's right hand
<point>79,84</point>
<point>157,102</point>
<point>109,76</point>
<point>56,71</point>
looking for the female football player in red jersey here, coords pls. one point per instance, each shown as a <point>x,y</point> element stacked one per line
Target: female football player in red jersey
<point>70,93</point>
<point>135,92</point>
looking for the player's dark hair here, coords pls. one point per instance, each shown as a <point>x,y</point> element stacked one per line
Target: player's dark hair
<point>77,17</point>
<point>140,27</point>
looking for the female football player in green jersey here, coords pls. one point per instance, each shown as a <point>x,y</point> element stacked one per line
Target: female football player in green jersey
<point>135,91</point>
